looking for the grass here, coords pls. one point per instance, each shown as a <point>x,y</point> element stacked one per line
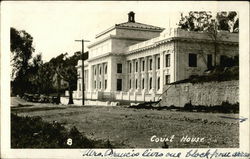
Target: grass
<point>33,132</point>
<point>133,128</point>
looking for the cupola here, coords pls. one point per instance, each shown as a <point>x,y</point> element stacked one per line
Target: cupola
<point>131,17</point>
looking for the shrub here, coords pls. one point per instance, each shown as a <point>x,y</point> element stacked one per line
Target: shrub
<point>33,132</point>
<point>216,74</point>
<point>225,107</point>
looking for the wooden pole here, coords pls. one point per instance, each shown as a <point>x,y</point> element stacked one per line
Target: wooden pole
<point>82,58</point>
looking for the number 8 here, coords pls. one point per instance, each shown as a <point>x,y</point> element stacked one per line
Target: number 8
<point>69,141</point>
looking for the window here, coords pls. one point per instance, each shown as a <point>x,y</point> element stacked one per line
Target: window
<point>150,83</point>
<point>80,87</point>
<point>105,84</point>
<point>223,60</point>
<point>106,69</point>
<point>95,70</point>
<point>130,67</point>
<point>136,66</point>
<point>119,68</point>
<point>143,65</point>
<point>142,83</point>
<point>119,85</point>
<point>227,61</point>
<point>95,84</point>
<point>130,85</point>
<point>100,85</point>
<point>167,58</point>
<point>100,70</point>
<point>150,64</point>
<point>192,61</point>
<point>209,61</point>
<point>167,79</point>
<point>136,84</point>
<point>158,63</point>
<point>158,83</point>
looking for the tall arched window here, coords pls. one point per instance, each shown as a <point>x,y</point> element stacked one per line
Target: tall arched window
<point>105,69</point>
<point>150,64</point>
<point>143,83</point>
<point>130,67</point>
<point>100,71</point>
<point>150,83</point>
<point>136,66</point>
<point>130,86</point>
<point>136,84</point>
<point>158,63</point>
<point>158,83</point>
<point>143,65</point>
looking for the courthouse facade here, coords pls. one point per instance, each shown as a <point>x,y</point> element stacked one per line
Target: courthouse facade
<point>134,61</point>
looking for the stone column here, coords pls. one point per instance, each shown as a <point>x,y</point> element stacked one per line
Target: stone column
<point>161,71</point>
<point>109,76</point>
<point>91,80</point>
<point>86,80</point>
<point>139,74</point>
<point>146,73</point>
<point>97,77</point>
<point>154,73</point>
<point>132,74</point>
<point>126,87</point>
<point>103,83</point>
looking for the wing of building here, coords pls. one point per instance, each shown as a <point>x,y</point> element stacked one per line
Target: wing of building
<point>133,61</point>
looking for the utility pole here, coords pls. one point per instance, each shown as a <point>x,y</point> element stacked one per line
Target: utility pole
<point>82,57</point>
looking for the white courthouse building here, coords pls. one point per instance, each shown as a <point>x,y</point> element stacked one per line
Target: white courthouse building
<point>133,61</point>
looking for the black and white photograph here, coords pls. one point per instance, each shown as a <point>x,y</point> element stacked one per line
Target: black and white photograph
<point>116,79</point>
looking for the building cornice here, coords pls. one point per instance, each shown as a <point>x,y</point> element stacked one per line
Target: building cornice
<point>142,29</point>
<point>105,31</point>
<point>179,39</point>
<point>116,26</point>
<point>98,42</point>
<point>105,55</point>
<point>128,38</point>
<point>115,37</point>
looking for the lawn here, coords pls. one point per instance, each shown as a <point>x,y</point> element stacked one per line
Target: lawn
<point>133,128</point>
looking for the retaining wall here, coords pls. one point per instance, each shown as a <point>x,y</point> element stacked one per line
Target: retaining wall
<point>206,94</point>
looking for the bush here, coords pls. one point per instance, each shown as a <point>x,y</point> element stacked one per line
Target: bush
<point>41,98</point>
<point>218,74</point>
<point>225,107</point>
<point>33,132</point>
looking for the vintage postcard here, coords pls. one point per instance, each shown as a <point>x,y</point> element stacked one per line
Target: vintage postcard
<point>117,79</point>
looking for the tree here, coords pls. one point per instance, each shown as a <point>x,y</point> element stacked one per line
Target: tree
<point>227,21</point>
<point>66,71</point>
<point>195,21</point>
<point>204,21</point>
<point>42,79</point>
<point>33,72</point>
<point>21,46</point>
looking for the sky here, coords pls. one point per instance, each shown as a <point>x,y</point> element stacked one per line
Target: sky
<point>55,25</point>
